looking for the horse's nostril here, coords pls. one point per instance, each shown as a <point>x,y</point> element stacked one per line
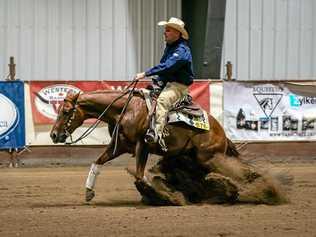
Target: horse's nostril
<point>53,136</point>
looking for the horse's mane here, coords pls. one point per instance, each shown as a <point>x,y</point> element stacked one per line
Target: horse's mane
<point>102,92</point>
<point>109,91</point>
<point>98,95</point>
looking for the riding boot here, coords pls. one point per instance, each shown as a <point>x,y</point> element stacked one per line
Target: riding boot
<point>151,135</point>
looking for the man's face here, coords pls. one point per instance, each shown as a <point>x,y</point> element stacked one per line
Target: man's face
<point>171,35</point>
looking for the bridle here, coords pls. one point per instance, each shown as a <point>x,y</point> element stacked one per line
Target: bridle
<point>114,135</point>
<point>68,122</point>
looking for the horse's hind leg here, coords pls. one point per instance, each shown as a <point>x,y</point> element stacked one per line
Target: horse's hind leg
<point>207,146</point>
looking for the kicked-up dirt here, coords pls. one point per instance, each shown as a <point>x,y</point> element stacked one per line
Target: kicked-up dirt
<point>50,202</point>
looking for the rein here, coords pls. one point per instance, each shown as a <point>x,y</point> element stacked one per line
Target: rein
<point>97,122</point>
<point>117,125</point>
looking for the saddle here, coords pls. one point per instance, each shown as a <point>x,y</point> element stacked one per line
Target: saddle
<point>185,110</point>
<point>187,106</point>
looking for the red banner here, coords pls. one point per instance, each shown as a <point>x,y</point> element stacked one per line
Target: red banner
<point>46,96</point>
<point>200,91</point>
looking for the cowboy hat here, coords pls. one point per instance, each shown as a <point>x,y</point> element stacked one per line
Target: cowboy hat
<point>176,24</point>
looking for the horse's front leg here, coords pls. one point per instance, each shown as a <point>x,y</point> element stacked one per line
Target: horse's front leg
<point>95,169</point>
<point>141,153</point>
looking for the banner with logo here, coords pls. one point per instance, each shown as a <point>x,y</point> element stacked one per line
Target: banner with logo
<point>46,96</point>
<point>12,119</point>
<point>269,111</point>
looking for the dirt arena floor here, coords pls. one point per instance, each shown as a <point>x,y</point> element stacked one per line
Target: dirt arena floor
<point>50,202</point>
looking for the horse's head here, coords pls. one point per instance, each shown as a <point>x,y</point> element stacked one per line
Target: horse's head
<point>68,119</point>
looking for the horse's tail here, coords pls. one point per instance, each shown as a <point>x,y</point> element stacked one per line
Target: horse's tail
<point>231,149</point>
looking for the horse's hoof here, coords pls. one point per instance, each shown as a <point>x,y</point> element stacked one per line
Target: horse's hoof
<point>89,195</point>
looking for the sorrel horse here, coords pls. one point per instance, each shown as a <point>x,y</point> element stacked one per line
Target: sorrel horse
<point>182,139</point>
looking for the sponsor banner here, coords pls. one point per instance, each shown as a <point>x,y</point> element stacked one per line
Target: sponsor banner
<point>200,91</point>
<point>12,118</point>
<point>46,96</point>
<point>269,111</point>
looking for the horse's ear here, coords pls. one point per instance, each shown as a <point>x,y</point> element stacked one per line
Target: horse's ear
<point>75,97</point>
<point>72,97</point>
<point>69,95</point>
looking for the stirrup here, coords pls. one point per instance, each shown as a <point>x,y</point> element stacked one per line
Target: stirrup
<point>150,137</point>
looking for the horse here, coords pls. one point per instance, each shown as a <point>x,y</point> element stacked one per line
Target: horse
<point>107,106</point>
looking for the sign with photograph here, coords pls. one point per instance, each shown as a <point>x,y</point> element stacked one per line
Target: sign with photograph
<point>269,111</point>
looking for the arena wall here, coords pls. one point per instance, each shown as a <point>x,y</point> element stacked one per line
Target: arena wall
<point>82,40</point>
<point>270,39</point>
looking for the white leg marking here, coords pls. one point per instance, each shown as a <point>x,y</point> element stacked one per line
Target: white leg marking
<point>93,173</point>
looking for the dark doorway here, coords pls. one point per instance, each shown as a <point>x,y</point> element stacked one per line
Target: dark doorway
<point>205,22</point>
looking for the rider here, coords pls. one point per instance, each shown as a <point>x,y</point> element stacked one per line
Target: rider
<point>175,71</point>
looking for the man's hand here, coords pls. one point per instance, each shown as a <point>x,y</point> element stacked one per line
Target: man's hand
<point>140,76</point>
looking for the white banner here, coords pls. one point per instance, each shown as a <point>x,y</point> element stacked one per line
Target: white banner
<point>269,111</point>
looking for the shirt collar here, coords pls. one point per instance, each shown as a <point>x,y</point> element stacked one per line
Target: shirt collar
<point>175,43</point>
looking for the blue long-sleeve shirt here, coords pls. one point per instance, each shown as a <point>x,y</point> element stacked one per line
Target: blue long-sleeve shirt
<point>175,64</point>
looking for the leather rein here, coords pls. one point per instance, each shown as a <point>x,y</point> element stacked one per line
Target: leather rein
<point>89,130</point>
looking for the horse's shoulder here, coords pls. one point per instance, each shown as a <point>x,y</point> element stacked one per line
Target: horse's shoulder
<point>139,98</point>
